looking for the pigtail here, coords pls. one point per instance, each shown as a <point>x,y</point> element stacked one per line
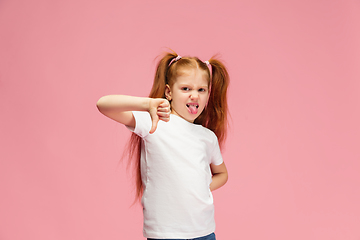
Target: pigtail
<point>133,150</point>
<point>215,114</point>
<point>160,80</point>
<point>134,144</point>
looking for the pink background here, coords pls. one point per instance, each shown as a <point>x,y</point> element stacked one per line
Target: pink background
<point>292,152</point>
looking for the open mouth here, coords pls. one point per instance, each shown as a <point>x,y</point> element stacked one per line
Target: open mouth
<point>192,107</point>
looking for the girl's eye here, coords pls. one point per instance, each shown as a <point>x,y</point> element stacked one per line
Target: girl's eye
<point>202,90</point>
<point>185,88</point>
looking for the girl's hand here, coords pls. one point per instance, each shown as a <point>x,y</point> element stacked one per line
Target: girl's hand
<point>159,109</point>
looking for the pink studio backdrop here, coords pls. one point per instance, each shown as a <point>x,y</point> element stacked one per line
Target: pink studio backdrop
<point>292,151</point>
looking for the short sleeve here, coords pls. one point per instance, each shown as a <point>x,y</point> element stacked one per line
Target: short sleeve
<point>142,123</point>
<point>216,157</point>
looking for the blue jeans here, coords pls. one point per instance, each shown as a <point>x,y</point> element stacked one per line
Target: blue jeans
<point>208,237</point>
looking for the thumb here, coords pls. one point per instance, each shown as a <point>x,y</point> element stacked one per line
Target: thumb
<point>155,120</point>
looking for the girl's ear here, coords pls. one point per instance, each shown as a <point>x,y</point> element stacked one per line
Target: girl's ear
<point>168,92</point>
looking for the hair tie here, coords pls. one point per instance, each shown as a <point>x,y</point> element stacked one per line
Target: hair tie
<point>174,60</point>
<point>209,67</point>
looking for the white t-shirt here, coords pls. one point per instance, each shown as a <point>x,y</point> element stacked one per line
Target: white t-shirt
<point>175,171</point>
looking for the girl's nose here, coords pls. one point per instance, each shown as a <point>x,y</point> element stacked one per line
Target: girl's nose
<point>194,95</point>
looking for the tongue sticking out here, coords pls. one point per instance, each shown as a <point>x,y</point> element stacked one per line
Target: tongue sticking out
<point>192,109</point>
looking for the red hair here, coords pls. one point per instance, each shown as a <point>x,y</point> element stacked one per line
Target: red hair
<point>213,117</point>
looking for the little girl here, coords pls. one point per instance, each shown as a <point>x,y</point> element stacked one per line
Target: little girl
<point>179,161</point>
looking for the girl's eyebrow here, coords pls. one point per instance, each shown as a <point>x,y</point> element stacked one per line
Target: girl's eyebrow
<point>182,84</point>
<point>190,84</point>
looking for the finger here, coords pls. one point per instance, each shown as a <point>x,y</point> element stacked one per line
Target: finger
<point>165,119</point>
<point>155,120</point>
<point>163,114</point>
<point>165,104</point>
<point>164,109</point>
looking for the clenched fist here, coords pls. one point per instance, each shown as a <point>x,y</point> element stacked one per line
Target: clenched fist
<point>159,109</point>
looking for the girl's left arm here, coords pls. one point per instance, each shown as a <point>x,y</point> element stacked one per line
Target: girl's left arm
<point>220,176</point>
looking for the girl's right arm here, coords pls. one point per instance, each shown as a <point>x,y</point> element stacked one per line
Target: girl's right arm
<point>119,107</point>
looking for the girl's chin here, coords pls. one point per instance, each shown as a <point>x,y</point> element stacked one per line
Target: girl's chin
<point>192,117</point>
<point>188,116</point>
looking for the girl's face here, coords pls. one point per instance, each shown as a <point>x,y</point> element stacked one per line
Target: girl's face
<point>189,94</point>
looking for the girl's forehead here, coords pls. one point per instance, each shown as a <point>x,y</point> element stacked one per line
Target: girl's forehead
<point>194,78</point>
<point>189,71</point>
<point>192,73</point>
